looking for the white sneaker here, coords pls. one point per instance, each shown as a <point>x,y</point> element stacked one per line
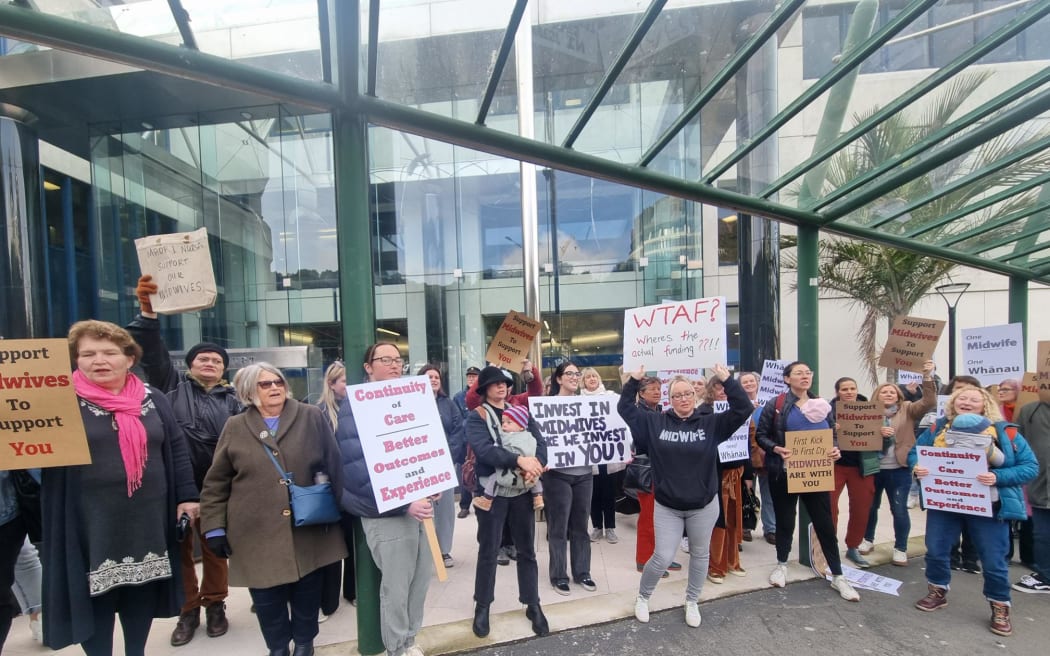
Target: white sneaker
<point>36,627</point>
<point>913,501</point>
<point>692,614</point>
<point>685,545</point>
<point>596,534</point>
<point>900,558</point>
<point>778,578</point>
<point>413,650</point>
<point>865,547</point>
<point>610,536</point>
<point>321,617</point>
<point>846,590</point>
<point>641,609</point>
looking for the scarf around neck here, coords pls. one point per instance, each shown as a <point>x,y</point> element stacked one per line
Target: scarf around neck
<point>126,407</point>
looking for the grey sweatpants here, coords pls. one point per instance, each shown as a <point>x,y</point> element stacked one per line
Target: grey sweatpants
<point>668,524</point>
<point>399,547</point>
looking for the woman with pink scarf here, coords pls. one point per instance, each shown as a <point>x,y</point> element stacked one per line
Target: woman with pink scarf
<point>110,527</point>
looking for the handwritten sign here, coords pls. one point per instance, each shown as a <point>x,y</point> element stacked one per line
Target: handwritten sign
<point>994,353</point>
<point>180,264</point>
<point>1029,391</point>
<point>511,345</point>
<point>403,440</point>
<point>810,468</point>
<point>772,382</point>
<point>676,334</point>
<point>40,422</point>
<point>951,484</point>
<point>859,425</point>
<point>581,430</point>
<point>737,447</point>
<point>911,343</point>
<point>1042,373</point>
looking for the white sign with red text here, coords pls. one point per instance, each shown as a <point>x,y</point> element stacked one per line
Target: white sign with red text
<point>952,483</point>
<point>675,335</point>
<point>403,440</point>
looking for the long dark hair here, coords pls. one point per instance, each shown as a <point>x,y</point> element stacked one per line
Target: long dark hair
<point>558,373</point>
<point>433,367</point>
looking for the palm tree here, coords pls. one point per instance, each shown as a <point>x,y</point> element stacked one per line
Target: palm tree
<point>886,282</point>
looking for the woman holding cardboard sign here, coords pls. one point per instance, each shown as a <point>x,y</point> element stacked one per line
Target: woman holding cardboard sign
<point>1011,464</point>
<point>797,410</point>
<point>110,527</point>
<point>682,445</point>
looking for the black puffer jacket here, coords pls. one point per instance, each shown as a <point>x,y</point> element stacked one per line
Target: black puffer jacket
<point>201,412</point>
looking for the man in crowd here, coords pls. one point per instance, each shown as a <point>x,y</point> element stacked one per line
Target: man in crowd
<point>1034,422</point>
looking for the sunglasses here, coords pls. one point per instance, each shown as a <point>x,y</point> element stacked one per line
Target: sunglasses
<point>267,384</point>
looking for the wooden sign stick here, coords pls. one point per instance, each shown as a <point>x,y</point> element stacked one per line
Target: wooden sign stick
<point>435,549</point>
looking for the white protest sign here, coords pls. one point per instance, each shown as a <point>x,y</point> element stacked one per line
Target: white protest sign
<point>403,440</point>
<point>942,404</point>
<point>675,335</point>
<point>180,264</point>
<point>994,353</point>
<point>737,447</point>
<point>951,484</point>
<point>772,382</point>
<point>581,430</point>
<point>908,377</point>
<point>665,376</point>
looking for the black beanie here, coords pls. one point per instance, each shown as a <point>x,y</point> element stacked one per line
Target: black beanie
<point>208,347</point>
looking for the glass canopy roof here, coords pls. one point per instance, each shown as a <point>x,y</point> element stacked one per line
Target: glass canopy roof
<point>922,124</point>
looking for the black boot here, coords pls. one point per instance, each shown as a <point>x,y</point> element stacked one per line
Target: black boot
<point>481,620</point>
<point>539,620</point>
<point>305,649</point>
<point>282,651</point>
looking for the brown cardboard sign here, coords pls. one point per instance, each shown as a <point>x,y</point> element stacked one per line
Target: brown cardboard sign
<point>40,423</point>
<point>511,345</point>
<point>180,264</point>
<point>859,425</point>
<point>911,343</point>
<point>1042,371</point>
<point>810,468</point>
<point>1029,391</point>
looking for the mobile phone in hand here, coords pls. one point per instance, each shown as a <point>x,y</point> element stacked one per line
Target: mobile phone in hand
<point>182,529</point>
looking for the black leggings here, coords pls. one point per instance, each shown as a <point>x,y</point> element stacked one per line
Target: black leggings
<point>136,605</point>
<point>818,505</point>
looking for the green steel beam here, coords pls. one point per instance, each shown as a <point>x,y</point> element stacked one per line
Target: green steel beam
<point>988,201</point>
<point>1027,231</point>
<point>1030,250</point>
<point>1042,271</point>
<point>999,222</point>
<point>782,14</point>
<point>938,78</point>
<point>635,40</point>
<point>1044,196</point>
<point>808,344</point>
<point>502,55</point>
<point>356,286</point>
<point>64,34</point>
<point>373,48</point>
<point>1018,310</point>
<point>843,68</point>
<point>1008,120</point>
<point>512,146</point>
<point>182,21</point>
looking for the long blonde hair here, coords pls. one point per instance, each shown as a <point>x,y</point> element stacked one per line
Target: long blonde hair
<point>330,404</point>
<point>991,407</point>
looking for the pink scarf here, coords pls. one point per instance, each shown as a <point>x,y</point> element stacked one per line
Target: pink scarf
<point>127,411</point>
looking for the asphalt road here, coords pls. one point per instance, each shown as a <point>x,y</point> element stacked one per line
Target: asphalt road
<point>809,618</point>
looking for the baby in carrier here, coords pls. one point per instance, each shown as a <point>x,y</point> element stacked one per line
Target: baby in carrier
<point>509,482</point>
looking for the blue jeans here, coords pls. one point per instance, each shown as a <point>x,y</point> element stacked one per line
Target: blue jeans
<point>769,515</point>
<point>288,612</point>
<point>896,482</point>
<point>1041,541</point>
<point>990,536</point>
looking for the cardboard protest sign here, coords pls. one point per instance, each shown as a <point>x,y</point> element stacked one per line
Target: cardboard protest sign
<point>1042,373</point>
<point>511,345</point>
<point>993,353</point>
<point>1029,391</point>
<point>675,334</point>
<point>581,430</point>
<point>810,468</point>
<point>859,425</point>
<point>951,484</point>
<point>403,440</point>
<point>911,343</point>
<point>180,264</point>
<point>40,423</point>
<point>772,382</point>
<point>737,447</point>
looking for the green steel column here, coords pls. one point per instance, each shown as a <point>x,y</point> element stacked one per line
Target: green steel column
<point>1018,311</point>
<point>356,287</point>
<point>808,344</point>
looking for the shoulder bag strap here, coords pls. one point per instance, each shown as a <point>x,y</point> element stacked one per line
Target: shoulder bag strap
<point>285,476</point>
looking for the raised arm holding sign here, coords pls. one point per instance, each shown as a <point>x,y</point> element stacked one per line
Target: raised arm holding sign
<point>180,264</point>
<point>911,343</point>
